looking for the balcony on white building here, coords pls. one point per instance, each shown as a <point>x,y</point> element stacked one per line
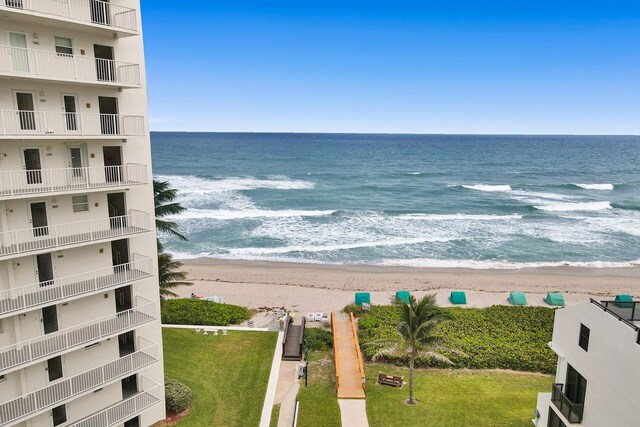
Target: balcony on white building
<point>43,65</point>
<point>86,15</point>
<point>14,184</point>
<point>150,394</point>
<point>39,239</point>
<point>31,297</point>
<point>31,404</point>
<point>21,354</point>
<point>48,124</point>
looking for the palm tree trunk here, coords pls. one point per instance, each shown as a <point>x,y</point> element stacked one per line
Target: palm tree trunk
<point>412,399</point>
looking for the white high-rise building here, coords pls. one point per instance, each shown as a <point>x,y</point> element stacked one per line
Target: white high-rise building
<point>80,337</point>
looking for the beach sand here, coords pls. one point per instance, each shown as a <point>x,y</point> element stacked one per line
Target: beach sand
<point>307,288</point>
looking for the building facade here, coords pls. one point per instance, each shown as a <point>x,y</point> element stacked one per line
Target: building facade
<point>598,348</point>
<point>80,337</point>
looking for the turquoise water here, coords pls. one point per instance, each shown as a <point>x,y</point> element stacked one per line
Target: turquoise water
<point>467,201</point>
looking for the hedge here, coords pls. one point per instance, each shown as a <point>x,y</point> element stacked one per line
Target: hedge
<point>318,339</point>
<point>499,337</point>
<point>177,396</point>
<point>191,311</point>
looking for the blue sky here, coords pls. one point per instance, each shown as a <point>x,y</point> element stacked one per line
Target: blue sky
<point>532,67</point>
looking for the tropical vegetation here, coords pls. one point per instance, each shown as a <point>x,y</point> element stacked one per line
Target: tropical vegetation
<point>192,311</point>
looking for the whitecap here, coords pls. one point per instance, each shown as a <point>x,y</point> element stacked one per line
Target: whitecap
<point>601,187</point>
<point>222,214</point>
<point>193,184</point>
<point>459,217</point>
<point>490,188</point>
<point>567,207</point>
<point>502,264</point>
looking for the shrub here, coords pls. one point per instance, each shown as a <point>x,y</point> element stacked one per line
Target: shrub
<point>318,339</point>
<point>353,308</point>
<point>178,396</point>
<point>188,311</point>
<point>499,337</point>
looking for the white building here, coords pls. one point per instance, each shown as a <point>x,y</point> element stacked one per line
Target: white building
<point>80,338</point>
<point>598,348</point>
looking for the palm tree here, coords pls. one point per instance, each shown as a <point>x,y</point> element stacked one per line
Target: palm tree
<point>169,275</point>
<point>416,338</point>
<point>164,197</point>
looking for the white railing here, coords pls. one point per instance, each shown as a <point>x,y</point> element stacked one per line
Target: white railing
<point>44,293</point>
<point>22,61</point>
<point>89,11</point>
<point>15,183</point>
<point>55,236</point>
<point>150,394</point>
<point>44,123</point>
<point>46,397</point>
<point>80,335</point>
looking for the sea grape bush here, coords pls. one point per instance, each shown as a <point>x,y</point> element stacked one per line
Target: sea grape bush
<point>177,396</point>
<point>187,311</point>
<point>499,337</point>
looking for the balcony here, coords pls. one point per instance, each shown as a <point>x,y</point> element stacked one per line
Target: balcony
<point>627,312</point>
<point>28,182</point>
<point>49,124</point>
<point>37,349</point>
<point>150,395</point>
<point>31,404</point>
<point>38,295</point>
<point>92,15</point>
<point>53,66</point>
<point>571,411</point>
<point>40,239</point>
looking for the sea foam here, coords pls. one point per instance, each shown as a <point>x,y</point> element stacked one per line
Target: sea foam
<point>568,207</point>
<point>490,188</point>
<point>222,214</point>
<point>459,217</point>
<point>601,187</point>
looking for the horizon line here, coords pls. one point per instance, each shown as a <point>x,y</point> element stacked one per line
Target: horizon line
<point>396,133</point>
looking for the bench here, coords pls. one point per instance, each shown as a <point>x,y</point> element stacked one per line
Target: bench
<point>392,380</point>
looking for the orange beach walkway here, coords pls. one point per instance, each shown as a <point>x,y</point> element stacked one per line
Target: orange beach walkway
<point>348,359</point>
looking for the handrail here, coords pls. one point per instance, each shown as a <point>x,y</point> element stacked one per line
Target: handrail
<point>358,353</point>
<point>57,289</point>
<point>335,349</point>
<point>572,411</point>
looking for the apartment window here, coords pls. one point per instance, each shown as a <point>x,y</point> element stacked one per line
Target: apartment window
<point>50,319</point>
<point>59,414</point>
<point>3,378</point>
<point>80,203</point>
<point>1,327</point>
<point>554,420</point>
<point>583,342</point>
<point>54,368</point>
<point>576,386</point>
<point>64,46</point>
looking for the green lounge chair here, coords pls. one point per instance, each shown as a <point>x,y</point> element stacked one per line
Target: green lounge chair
<point>517,298</point>
<point>458,297</point>
<point>624,301</point>
<point>363,297</point>
<point>554,298</point>
<point>402,296</point>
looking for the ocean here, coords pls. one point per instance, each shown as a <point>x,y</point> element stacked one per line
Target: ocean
<point>409,200</point>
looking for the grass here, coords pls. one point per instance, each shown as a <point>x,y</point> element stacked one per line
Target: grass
<point>228,375</point>
<point>318,402</point>
<point>275,413</point>
<point>455,398</point>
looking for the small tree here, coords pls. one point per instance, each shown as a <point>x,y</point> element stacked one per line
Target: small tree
<point>164,197</point>
<point>416,338</point>
<point>169,275</point>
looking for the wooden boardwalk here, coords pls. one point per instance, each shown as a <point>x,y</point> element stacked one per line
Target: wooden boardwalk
<point>348,359</point>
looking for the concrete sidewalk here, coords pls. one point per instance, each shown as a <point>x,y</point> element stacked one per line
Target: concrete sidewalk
<point>353,412</point>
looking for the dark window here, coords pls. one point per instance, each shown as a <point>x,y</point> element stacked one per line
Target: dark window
<point>584,337</point>
<point>133,422</point>
<point>59,414</point>
<point>50,319</point>
<point>554,420</point>
<point>2,378</point>
<point>576,386</point>
<point>54,368</point>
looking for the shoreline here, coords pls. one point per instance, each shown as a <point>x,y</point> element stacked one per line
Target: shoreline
<point>305,287</point>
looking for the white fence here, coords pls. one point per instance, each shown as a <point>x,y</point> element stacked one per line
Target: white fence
<point>54,236</point>
<point>42,63</point>
<point>150,395</point>
<point>44,293</point>
<point>44,123</point>
<point>80,335</point>
<point>46,397</point>
<point>14,183</point>
<point>89,11</point>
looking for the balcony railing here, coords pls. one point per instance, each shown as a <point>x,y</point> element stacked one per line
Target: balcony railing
<point>88,11</point>
<point>627,312</point>
<point>27,405</point>
<point>16,183</point>
<point>571,411</point>
<point>150,394</point>
<point>54,65</point>
<point>50,123</point>
<point>80,335</point>
<point>73,233</point>
<point>49,292</point>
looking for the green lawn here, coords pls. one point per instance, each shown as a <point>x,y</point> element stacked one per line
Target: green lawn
<point>455,398</point>
<point>227,374</point>
<point>447,397</point>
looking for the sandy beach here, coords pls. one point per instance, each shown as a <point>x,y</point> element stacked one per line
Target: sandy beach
<point>319,288</point>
